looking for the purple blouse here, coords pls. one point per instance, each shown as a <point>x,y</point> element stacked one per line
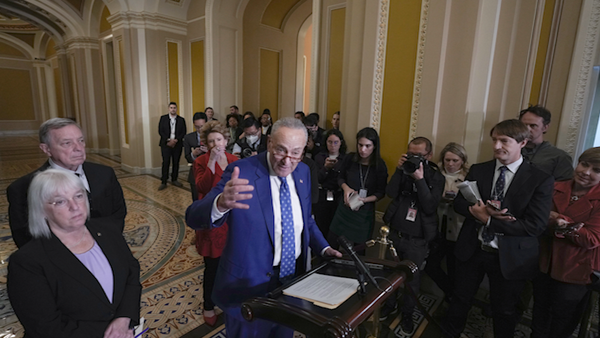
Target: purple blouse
<point>95,261</point>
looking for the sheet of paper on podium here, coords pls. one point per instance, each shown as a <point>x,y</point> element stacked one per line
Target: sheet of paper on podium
<point>323,290</point>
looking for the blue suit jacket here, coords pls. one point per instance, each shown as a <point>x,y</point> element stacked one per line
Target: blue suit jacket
<point>246,265</point>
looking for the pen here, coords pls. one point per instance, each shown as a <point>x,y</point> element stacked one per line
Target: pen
<point>141,333</point>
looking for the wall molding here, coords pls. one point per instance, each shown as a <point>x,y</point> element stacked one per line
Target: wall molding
<point>383,15</point>
<point>146,20</point>
<point>416,101</point>
<point>582,88</point>
<point>82,43</point>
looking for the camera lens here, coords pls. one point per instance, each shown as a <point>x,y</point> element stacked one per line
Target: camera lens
<point>246,153</point>
<point>411,165</point>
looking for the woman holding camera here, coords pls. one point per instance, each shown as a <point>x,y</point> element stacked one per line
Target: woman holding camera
<point>210,243</point>
<point>363,178</point>
<point>329,164</point>
<point>453,163</point>
<point>569,251</point>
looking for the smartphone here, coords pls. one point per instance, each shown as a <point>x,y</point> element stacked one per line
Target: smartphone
<point>493,205</point>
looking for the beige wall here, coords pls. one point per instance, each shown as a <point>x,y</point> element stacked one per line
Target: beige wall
<point>257,36</point>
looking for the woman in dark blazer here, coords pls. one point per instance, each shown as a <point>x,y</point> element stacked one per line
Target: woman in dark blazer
<point>569,251</point>
<point>77,277</point>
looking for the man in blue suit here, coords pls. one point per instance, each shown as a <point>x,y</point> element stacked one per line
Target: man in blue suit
<point>266,201</point>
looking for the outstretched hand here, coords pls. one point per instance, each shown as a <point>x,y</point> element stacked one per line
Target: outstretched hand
<point>235,191</point>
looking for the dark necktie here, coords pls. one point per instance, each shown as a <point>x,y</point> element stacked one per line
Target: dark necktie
<point>498,194</point>
<point>288,241</point>
<point>499,187</point>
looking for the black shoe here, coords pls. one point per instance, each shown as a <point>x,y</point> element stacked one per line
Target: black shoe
<point>177,184</point>
<point>162,187</point>
<point>386,311</point>
<point>406,324</point>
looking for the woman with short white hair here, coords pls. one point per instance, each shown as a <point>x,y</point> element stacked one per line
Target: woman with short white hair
<point>77,277</point>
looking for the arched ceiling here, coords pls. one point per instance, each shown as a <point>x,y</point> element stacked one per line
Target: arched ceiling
<point>30,16</point>
<point>277,11</point>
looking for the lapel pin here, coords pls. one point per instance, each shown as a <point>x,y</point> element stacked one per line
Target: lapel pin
<point>99,234</point>
<point>301,181</point>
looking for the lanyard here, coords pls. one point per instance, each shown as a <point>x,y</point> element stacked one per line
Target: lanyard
<point>363,182</point>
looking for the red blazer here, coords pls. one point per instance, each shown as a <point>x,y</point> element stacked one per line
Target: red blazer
<point>209,242</point>
<point>572,259</point>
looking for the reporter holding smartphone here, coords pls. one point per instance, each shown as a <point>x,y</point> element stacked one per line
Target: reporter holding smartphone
<point>363,175</point>
<point>569,251</point>
<point>453,164</point>
<point>329,163</point>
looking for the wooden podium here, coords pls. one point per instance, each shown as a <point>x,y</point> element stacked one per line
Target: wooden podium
<point>314,321</point>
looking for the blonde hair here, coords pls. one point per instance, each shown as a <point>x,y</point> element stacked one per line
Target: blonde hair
<point>213,127</point>
<point>457,150</point>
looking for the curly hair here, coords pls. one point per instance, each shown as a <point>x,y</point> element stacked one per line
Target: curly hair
<point>213,127</point>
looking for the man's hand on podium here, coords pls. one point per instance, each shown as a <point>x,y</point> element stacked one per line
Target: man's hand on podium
<point>332,252</point>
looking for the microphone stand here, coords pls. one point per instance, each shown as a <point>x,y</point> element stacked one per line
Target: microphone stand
<point>362,271</point>
<point>383,242</point>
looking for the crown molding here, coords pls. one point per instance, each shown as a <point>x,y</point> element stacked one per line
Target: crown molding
<point>145,20</point>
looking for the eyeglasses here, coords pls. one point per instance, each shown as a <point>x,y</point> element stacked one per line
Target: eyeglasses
<point>281,154</point>
<point>64,202</point>
<point>335,143</point>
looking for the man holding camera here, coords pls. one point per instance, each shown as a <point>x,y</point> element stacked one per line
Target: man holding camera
<point>254,141</point>
<point>416,190</point>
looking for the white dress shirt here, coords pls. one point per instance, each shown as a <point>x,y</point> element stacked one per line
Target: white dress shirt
<point>173,122</point>
<point>275,184</point>
<point>508,177</point>
<point>79,172</point>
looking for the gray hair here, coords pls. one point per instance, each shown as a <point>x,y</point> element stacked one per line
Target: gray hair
<point>289,122</point>
<point>53,124</point>
<point>43,187</point>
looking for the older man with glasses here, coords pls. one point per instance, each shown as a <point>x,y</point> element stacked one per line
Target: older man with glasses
<point>266,202</point>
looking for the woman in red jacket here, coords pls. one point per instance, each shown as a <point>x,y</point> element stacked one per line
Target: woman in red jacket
<point>569,251</point>
<point>208,169</point>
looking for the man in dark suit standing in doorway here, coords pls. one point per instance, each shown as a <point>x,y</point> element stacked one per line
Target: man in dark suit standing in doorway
<point>193,148</point>
<point>62,140</point>
<point>499,237</point>
<point>171,129</point>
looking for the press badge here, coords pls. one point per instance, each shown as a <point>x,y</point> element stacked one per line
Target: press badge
<point>411,215</point>
<point>362,193</point>
<point>329,196</point>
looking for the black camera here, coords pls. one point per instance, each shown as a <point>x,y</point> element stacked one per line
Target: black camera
<point>247,152</point>
<point>412,163</point>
